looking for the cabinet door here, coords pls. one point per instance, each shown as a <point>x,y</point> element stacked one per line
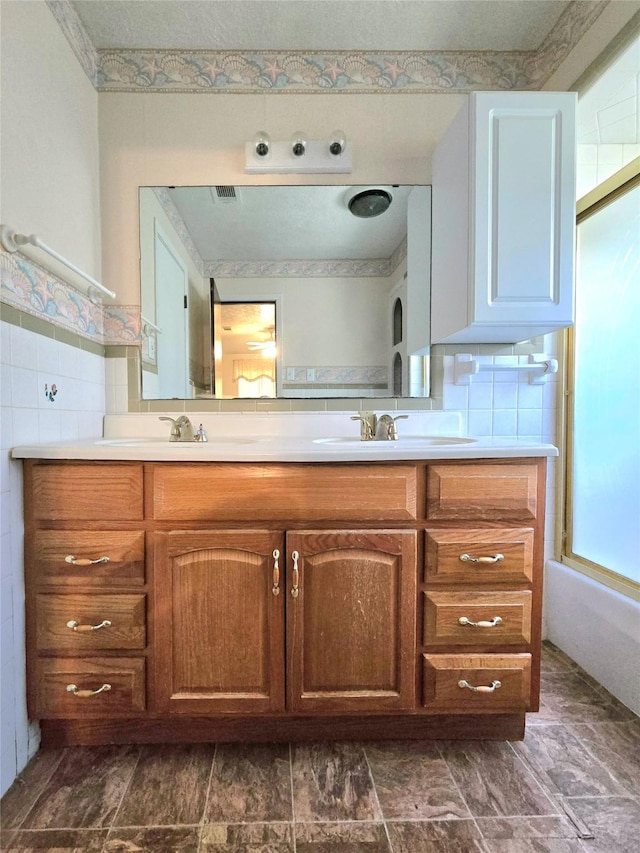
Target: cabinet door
<point>351,616</point>
<point>504,219</point>
<point>219,622</point>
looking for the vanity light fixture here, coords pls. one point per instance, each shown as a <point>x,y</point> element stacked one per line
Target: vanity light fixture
<point>262,145</point>
<point>298,155</point>
<point>299,145</point>
<point>337,143</point>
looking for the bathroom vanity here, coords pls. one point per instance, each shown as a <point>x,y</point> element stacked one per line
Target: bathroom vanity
<point>266,599</point>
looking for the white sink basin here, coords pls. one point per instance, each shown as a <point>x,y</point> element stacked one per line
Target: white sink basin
<point>155,442</point>
<point>409,441</point>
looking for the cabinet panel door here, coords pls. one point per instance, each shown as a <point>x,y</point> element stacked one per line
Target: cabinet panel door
<point>524,203</point>
<point>219,626</point>
<point>351,628</point>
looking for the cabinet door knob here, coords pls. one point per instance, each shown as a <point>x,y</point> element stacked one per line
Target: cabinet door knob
<point>86,694</point>
<point>491,688</point>
<point>83,561</point>
<point>467,558</point>
<point>296,574</point>
<point>275,589</point>
<point>497,620</point>
<point>83,629</point>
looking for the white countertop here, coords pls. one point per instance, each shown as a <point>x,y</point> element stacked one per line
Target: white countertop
<point>282,437</point>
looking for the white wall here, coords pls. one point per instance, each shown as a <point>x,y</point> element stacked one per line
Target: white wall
<point>50,186</point>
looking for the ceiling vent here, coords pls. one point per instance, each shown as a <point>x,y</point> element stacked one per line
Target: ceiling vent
<point>226,195</point>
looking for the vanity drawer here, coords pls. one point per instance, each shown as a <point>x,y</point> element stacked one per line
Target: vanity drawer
<point>479,556</point>
<point>483,491</point>
<point>61,557</point>
<point>124,613</point>
<point>503,683</point>
<point>289,492</point>
<point>96,491</point>
<point>444,610</point>
<point>103,687</point>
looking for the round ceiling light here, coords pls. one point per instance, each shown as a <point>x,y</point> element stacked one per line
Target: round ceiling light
<point>368,202</point>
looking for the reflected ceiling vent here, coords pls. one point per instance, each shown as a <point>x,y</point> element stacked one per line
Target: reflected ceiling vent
<point>367,202</point>
<point>226,195</point>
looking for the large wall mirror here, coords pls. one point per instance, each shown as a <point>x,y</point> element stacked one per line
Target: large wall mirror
<point>285,291</point>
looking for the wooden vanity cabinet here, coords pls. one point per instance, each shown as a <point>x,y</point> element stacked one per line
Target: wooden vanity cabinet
<point>282,601</point>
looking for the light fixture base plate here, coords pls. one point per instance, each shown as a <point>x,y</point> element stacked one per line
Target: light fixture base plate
<point>281,160</point>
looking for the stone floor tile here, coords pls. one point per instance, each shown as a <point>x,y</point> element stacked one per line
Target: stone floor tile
<point>566,763</point>
<point>537,845</point>
<point>250,782</point>
<point>345,837</point>
<point>85,789</point>
<point>169,786</point>
<point>58,841</point>
<point>504,828</point>
<point>614,822</point>
<point>572,700</point>
<point>494,781</point>
<point>617,746</point>
<point>436,836</point>
<point>26,789</point>
<point>331,782</point>
<point>247,838</point>
<point>154,839</point>
<point>413,782</point>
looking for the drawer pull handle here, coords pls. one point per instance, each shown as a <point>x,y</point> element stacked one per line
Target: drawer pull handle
<point>276,573</point>
<point>296,575</point>
<point>491,688</point>
<point>86,694</point>
<point>83,561</point>
<point>84,629</point>
<point>467,558</point>
<point>497,620</point>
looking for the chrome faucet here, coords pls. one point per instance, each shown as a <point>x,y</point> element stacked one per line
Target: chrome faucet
<point>182,429</point>
<point>374,428</point>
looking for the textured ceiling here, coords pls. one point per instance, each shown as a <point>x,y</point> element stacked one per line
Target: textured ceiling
<point>299,25</point>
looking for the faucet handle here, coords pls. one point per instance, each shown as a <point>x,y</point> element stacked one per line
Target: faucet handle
<point>201,434</point>
<point>366,426</point>
<point>393,432</point>
<point>175,429</point>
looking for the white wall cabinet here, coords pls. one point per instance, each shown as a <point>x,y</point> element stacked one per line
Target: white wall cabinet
<point>504,219</point>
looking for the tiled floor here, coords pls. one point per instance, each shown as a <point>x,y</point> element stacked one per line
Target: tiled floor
<point>577,773</point>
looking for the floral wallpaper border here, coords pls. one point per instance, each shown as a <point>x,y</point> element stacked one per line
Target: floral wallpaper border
<point>30,288</point>
<point>296,72</point>
<point>344,268</point>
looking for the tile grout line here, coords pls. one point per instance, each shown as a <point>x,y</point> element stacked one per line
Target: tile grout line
<point>208,794</point>
<point>462,797</point>
<point>36,797</point>
<point>375,793</point>
<point>294,839</point>
<point>554,795</point>
<point>124,793</point>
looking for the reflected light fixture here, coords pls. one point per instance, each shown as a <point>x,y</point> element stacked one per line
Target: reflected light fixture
<point>298,154</point>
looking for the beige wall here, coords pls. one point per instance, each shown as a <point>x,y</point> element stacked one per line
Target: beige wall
<point>49,139</point>
<point>199,139</point>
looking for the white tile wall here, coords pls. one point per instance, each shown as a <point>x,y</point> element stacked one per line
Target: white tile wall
<point>608,125</point>
<point>505,405</point>
<point>28,362</point>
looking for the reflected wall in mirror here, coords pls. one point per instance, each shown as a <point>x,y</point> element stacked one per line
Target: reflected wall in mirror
<point>349,293</point>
